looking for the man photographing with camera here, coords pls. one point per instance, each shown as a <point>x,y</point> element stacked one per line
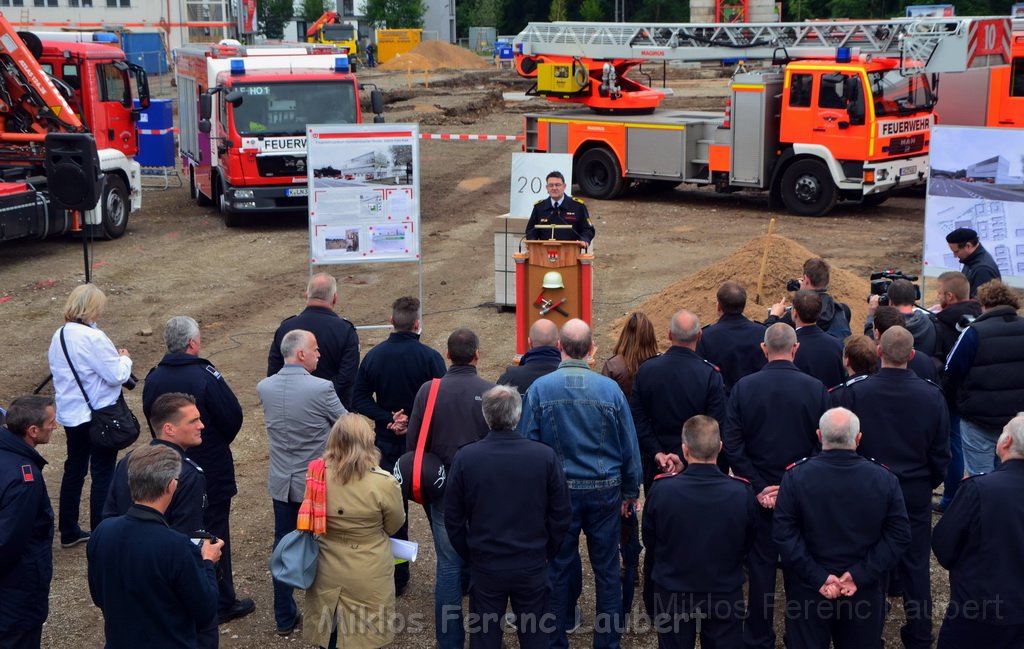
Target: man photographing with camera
<point>834,318</point>
<point>902,293</point>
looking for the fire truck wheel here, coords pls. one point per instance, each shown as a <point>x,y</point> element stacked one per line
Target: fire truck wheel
<point>116,205</point>
<point>231,219</point>
<point>201,199</point>
<point>598,174</point>
<point>807,188</point>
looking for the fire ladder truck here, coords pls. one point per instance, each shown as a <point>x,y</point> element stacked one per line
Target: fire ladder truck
<point>844,114</point>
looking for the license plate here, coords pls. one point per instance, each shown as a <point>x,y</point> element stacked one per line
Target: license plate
<point>908,171</point>
<point>300,191</point>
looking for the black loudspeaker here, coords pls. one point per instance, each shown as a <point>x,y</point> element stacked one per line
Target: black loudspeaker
<point>73,171</point>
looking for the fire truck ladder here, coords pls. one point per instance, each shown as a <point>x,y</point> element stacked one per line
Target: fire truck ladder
<point>922,44</point>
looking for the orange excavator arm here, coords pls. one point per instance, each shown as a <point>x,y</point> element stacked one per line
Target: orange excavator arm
<point>30,104</point>
<point>329,17</point>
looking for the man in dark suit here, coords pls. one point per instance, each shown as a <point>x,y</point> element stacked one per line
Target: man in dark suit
<point>336,337</point>
<point>559,217</point>
<point>770,423</point>
<point>734,342</point>
<point>819,354</point>
<point>542,358</point>
<point>979,266</point>
<point>507,536</point>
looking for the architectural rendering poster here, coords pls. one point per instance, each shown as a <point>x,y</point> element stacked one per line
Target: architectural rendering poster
<point>363,192</point>
<point>976,181</point>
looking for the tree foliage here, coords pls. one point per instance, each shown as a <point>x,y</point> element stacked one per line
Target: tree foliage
<point>559,10</point>
<point>396,14</point>
<point>313,9</point>
<point>273,15</point>
<point>592,11</point>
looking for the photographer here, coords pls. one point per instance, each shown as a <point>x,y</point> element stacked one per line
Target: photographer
<point>920,322</point>
<point>834,318</point>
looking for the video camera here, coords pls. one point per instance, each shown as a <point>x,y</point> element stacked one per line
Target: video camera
<point>793,285</point>
<point>881,280</point>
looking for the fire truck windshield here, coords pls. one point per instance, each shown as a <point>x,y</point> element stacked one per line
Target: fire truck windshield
<point>895,94</point>
<point>285,108</point>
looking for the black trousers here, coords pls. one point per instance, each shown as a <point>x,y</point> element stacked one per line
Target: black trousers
<point>22,638</point>
<point>489,594</point>
<point>759,630</point>
<point>217,522</point>
<point>812,622</point>
<point>914,568</point>
<point>389,454</point>
<point>680,617</point>
<point>960,633</point>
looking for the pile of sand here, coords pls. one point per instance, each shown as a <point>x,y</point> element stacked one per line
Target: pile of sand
<point>435,55</point>
<point>696,292</point>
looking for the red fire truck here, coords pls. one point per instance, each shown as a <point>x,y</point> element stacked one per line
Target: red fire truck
<point>844,114</point>
<point>66,87</point>
<point>243,114</point>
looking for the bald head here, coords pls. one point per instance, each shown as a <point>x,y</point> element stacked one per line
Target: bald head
<point>575,339</point>
<point>897,345</point>
<point>322,287</point>
<point>839,428</point>
<point>543,333</point>
<point>779,342</point>
<point>684,329</point>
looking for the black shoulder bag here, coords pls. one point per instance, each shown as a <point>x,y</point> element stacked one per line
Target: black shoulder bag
<point>113,426</point>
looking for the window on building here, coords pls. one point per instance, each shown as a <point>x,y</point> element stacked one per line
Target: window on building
<point>119,3</point>
<point>800,90</point>
<point>12,3</point>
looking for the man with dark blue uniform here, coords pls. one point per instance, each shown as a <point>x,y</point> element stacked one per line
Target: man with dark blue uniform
<point>698,527</point>
<point>769,424</point>
<point>667,391</point>
<point>840,526</point>
<point>979,540</point>
<point>389,377</point>
<point>507,536</point>
<point>920,363</point>
<point>336,337</point>
<point>559,217</point>
<point>26,523</point>
<point>542,358</point>
<point>182,370</point>
<point>819,354</point>
<point>906,427</point>
<point>733,343</point>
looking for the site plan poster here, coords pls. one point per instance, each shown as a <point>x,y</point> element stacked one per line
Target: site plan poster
<point>363,192</point>
<point>976,181</point>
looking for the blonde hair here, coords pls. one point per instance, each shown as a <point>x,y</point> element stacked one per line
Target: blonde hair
<point>350,451</point>
<point>85,304</point>
<point>636,343</point>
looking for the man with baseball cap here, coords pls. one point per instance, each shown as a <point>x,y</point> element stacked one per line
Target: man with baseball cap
<point>979,266</point>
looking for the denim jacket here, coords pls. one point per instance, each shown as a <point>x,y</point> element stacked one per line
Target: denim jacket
<point>585,418</point>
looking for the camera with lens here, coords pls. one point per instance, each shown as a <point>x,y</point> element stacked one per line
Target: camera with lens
<point>882,280</point>
<point>131,382</point>
<point>793,285</point>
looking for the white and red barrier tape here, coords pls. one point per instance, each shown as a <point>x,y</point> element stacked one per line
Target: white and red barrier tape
<point>423,136</point>
<point>470,136</point>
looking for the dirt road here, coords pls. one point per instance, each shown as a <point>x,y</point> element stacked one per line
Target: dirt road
<point>239,283</point>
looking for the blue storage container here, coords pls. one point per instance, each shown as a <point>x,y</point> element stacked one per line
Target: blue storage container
<point>156,135</point>
<point>501,45</point>
<point>145,49</point>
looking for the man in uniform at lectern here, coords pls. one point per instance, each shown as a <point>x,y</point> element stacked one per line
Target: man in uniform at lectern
<point>560,216</point>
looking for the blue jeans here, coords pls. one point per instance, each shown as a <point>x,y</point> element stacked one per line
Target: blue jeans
<point>595,512</point>
<point>286,516</point>
<point>447,584</point>
<point>955,472</point>
<point>979,446</point>
<point>83,458</point>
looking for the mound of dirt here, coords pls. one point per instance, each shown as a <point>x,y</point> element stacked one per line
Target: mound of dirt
<point>436,55</point>
<point>696,292</point>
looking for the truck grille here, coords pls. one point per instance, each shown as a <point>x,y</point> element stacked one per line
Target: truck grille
<point>908,144</point>
<point>273,166</point>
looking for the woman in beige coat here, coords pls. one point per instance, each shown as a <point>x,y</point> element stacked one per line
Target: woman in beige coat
<point>351,604</point>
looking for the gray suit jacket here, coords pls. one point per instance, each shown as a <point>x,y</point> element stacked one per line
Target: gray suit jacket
<point>299,410</point>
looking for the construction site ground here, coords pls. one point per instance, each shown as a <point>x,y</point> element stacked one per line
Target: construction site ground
<point>239,283</point>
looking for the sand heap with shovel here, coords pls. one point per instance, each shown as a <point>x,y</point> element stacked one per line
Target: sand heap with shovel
<point>435,55</point>
<point>696,292</point>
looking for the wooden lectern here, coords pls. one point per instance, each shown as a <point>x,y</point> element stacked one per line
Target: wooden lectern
<point>558,304</point>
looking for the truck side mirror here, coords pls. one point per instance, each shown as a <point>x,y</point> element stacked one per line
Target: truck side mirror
<point>376,102</point>
<point>204,125</point>
<point>141,84</point>
<point>234,98</point>
<point>855,109</point>
<point>205,107</point>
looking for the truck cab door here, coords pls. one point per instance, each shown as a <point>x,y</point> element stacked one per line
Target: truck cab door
<point>113,123</point>
<point>1007,85</point>
<point>836,121</point>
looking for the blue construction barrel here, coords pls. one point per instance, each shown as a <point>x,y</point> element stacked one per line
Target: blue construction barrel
<point>156,135</point>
